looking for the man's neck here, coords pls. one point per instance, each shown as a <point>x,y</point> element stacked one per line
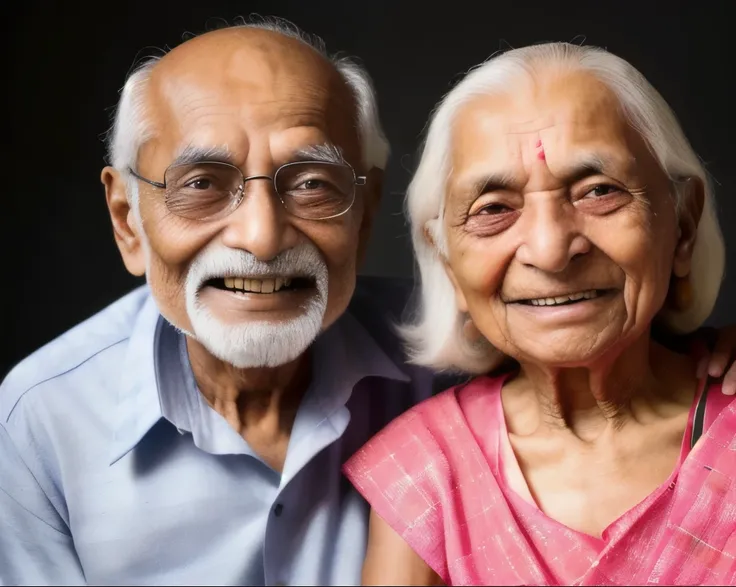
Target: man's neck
<point>259,403</point>
<point>604,396</point>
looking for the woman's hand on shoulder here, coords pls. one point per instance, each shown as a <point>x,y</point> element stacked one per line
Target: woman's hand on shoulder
<point>721,361</point>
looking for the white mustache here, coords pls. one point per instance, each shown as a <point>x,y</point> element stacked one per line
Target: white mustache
<point>256,342</point>
<point>217,261</point>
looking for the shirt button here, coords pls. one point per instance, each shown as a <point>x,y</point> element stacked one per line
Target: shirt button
<point>277,512</point>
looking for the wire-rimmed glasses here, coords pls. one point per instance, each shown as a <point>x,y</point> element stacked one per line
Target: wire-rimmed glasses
<point>210,190</point>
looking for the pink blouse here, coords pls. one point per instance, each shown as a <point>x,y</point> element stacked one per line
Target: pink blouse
<point>438,476</point>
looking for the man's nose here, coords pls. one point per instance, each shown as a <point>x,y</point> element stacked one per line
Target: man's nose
<point>260,225</point>
<point>551,236</point>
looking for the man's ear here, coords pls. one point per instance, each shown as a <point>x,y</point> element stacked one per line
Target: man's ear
<point>372,191</point>
<point>124,223</point>
<point>691,209</point>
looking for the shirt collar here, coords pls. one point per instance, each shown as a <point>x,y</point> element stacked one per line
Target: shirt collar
<point>138,407</point>
<point>344,355</point>
<point>154,370</point>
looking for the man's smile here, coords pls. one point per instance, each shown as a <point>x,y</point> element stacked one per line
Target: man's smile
<point>260,285</point>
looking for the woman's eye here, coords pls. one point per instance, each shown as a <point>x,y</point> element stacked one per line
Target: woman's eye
<point>492,209</point>
<point>603,190</point>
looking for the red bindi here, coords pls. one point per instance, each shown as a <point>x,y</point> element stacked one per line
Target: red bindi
<point>540,154</point>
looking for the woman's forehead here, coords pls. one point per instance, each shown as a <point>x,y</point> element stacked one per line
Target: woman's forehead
<point>507,133</point>
<point>582,107</point>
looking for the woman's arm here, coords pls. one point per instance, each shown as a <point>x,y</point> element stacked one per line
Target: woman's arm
<point>391,561</point>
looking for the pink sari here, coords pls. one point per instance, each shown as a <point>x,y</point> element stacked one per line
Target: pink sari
<point>436,476</point>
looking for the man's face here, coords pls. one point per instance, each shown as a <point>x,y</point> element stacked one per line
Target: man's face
<point>256,285</point>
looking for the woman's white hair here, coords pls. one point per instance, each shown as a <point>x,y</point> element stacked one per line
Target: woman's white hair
<point>131,128</point>
<point>435,334</point>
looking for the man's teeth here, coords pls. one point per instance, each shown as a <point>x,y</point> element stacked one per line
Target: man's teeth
<point>257,285</point>
<point>587,295</point>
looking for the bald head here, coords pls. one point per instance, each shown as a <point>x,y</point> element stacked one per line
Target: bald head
<point>269,61</point>
<point>260,65</point>
<point>255,93</point>
<point>231,49</point>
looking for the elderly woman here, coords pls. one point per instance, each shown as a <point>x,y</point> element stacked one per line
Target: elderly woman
<point>558,214</point>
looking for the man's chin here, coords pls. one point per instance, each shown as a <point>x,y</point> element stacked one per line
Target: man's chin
<point>260,344</point>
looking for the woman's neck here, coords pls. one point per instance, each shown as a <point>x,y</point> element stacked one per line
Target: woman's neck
<point>637,384</point>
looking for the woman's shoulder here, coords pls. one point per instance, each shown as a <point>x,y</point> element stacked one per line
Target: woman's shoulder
<point>415,428</point>
<point>435,414</point>
<point>422,436</point>
<point>410,470</point>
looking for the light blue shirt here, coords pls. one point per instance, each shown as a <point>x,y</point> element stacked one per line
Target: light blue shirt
<point>115,471</point>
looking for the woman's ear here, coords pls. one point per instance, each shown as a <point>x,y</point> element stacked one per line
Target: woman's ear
<point>429,236</point>
<point>462,303</point>
<point>429,233</point>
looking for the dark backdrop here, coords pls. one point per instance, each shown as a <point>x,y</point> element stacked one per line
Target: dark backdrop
<point>68,61</point>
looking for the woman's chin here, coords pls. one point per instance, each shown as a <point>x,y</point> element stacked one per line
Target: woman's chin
<point>566,349</point>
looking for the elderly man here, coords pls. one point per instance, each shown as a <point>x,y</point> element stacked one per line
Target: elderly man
<point>205,446</point>
<point>193,432</point>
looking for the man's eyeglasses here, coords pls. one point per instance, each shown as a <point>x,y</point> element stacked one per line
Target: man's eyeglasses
<point>210,190</point>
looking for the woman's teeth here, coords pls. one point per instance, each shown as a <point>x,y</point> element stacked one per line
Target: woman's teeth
<point>586,295</point>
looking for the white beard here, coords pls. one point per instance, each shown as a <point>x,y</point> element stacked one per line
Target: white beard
<point>257,343</point>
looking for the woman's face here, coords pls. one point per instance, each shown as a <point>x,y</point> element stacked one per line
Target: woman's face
<point>561,227</point>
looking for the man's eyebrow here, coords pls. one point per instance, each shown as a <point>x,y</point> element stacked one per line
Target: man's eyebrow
<point>324,152</point>
<point>193,154</point>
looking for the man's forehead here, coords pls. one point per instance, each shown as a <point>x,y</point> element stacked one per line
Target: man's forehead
<point>262,76</point>
<point>197,102</point>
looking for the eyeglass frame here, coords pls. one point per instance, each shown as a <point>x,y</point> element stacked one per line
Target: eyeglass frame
<point>358,180</point>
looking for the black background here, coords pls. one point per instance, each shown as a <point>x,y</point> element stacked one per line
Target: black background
<point>66,63</point>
